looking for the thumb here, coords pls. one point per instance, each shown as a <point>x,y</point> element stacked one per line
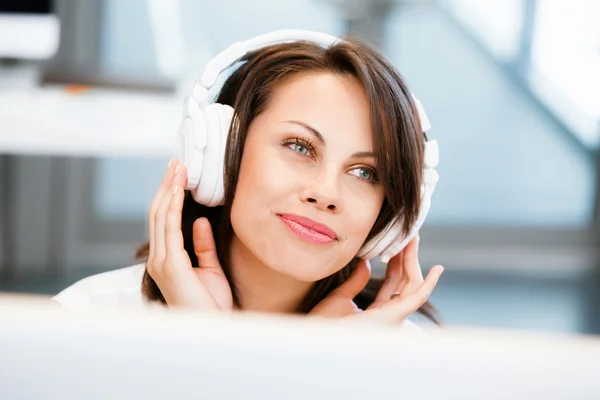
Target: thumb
<point>356,281</point>
<point>204,245</point>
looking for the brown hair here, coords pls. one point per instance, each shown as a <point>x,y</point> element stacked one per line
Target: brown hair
<point>398,145</point>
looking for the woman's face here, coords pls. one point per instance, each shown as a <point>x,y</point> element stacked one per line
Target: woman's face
<point>307,192</point>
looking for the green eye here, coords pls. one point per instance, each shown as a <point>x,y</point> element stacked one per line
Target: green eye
<point>299,145</point>
<point>300,148</point>
<point>366,174</point>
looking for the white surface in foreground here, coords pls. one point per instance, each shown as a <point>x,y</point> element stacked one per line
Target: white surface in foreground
<point>50,353</point>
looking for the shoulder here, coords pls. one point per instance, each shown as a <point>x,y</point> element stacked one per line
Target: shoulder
<point>118,288</point>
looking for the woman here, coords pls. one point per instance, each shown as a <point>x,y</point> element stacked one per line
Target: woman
<point>326,149</point>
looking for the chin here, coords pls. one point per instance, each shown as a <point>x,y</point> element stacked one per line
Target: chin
<point>302,263</point>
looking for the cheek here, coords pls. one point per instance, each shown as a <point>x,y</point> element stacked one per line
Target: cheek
<point>263,179</point>
<point>263,183</point>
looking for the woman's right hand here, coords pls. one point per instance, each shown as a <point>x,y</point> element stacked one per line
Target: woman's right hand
<point>168,263</point>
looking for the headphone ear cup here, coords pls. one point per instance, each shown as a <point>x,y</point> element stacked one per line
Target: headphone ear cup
<point>215,127</point>
<point>390,241</point>
<point>205,189</point>
<point>191,143</point>
<point>399,244</point>
<point>430,179</point>
<point>225,115</point>
<point>375,246</point>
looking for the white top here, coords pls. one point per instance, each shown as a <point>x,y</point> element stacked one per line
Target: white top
<point>121,289</point>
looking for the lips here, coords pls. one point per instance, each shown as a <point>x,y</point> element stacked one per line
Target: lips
<point>308,229</point>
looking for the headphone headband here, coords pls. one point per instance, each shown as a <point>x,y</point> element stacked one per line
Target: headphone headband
<point>233,53</point>
<point>237,50</point>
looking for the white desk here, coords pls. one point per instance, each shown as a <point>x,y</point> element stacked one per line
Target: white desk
<point>182,354</point>
<point>100,122</point>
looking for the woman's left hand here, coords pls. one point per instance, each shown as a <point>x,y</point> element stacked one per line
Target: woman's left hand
<point>403,292</point>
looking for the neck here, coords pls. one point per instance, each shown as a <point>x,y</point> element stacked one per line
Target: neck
<point>261,288</point>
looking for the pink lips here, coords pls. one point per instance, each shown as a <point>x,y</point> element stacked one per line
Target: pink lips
<point>308,229</point>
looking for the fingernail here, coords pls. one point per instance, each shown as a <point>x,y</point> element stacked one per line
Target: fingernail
<point>170,163</point>
<point>175,189</point>
<point>177,168</point>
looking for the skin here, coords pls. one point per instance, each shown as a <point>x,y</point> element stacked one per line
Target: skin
<point>287,167</point>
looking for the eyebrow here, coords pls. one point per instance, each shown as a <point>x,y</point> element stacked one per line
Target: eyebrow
<point>320,138</point>
<point>312,130</point>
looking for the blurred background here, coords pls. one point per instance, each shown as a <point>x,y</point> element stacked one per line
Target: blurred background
<point>91,95</point>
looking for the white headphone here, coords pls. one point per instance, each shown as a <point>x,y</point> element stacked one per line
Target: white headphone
<point>204,128</point>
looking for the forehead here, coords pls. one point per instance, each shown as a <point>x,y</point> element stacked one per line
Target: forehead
<point>333,104</point>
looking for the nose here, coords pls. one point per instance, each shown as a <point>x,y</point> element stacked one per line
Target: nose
<point>323,194</point>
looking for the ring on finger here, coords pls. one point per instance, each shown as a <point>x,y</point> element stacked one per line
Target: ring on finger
<point>394,295</point>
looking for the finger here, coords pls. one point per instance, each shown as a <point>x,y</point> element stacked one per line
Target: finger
<point>160,218</point>
<point>155,203</point>
<point>356,282</point>
<point>400,308</point>
<point>412,274</point>
<point>393,276</point>
<point>411,266</point>
<point>204,245</point>
<point>164,186</point>
<point>172,230</point>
